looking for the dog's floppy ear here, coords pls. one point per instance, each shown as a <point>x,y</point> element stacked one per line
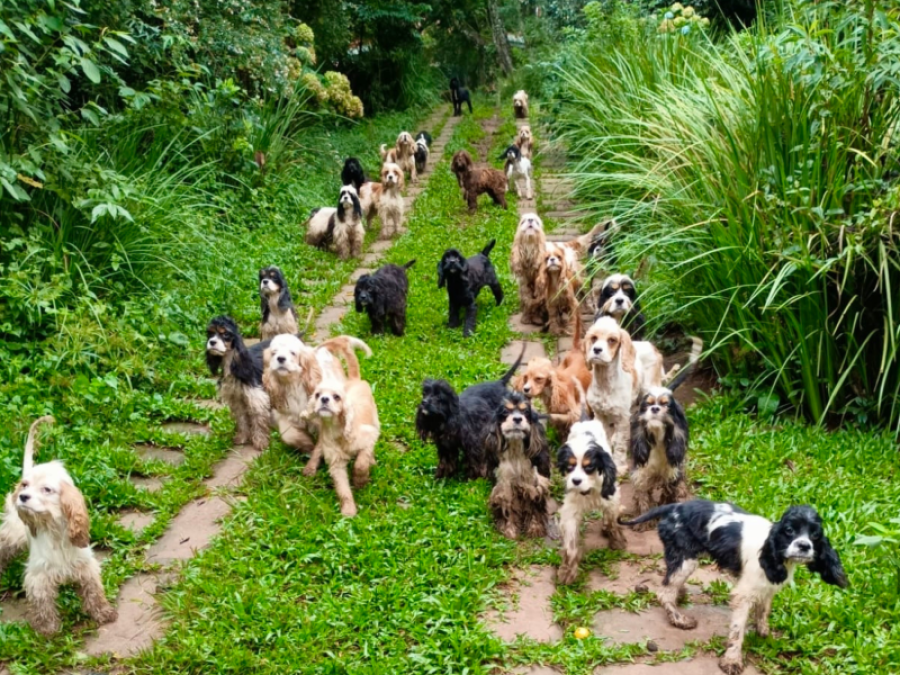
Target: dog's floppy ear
<point>827,564</point>
<point>312,373</point>
<point>770,559</point>
<point>74,508</point>
<point>627,353</point>
<point>284,299</point>
<point>440,269</point>
<point>356,291</point>
<point>608,468</point>
<point>677,434</point>
<point>357,208</point>
<point>640,448</point>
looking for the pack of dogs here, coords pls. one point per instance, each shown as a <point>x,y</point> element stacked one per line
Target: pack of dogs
<point>609,401</point>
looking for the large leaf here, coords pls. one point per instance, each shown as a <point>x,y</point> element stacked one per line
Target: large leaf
<point>90,69</point>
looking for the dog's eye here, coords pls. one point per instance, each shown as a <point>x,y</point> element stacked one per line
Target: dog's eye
<point>538,380</point>
<point>337,398</point>
<point>593,339</point>
<point>318,396</point>
<point>664,400</point>
<point>23,484</point>
<point>788,530</point>
<point>612,341</point>
<point>47,490</point>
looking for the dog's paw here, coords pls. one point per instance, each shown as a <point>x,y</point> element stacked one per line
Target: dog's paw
<point>682,621</point>
<point>107,615</point>
<point>731,666</point>
<point>348,509</point>
<point>310,469</point>
<point>566,574</point>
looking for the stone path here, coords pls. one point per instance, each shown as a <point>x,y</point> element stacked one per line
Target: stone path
<point>141,620</point>
<point>525,609</point>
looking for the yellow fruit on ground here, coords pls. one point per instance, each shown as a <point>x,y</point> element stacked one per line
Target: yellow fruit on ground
<point>582,632</point>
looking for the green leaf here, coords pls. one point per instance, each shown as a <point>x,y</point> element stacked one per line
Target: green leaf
<point>90,70</point>
<point>15,191</point>
<point>7,32</point>
<point>64,83</point>
<point>179,339</point>
<point>116,46</point>
<point>767,404</point>
<point>90,116</point>
<point>99,210</point>
<point>868,540</point>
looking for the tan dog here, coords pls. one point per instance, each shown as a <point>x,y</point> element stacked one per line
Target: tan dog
<point>528,250</point>
<point>520,104</point>
<point>390,203</point>
<point>403,154</point>
<point>554,289</point>
<point>347,421</point>
<point>525,141</point>
<point>47,515</point>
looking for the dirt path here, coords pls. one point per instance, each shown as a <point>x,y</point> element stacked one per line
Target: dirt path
<point>527,598</point>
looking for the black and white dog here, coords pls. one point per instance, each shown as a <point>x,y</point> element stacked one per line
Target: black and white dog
<point>339,229</point>
<point>382,296</point>
<point>761,556</point>
<point>585,462</point>
<point>518,170</point>
<point>618,299</point>
<point>459,424</point>
<point>423,143</point>
<point>240,380</point>
<point>353,173</point>
<point>459,95</point>
<point>278,312</point>
<point>464,279</point>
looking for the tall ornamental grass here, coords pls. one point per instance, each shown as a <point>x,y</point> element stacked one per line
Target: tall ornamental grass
<point>762,171</point>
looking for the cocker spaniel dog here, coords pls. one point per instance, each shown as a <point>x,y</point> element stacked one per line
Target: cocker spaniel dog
<point>464,279</point>
<point>382,296</point>
<point>520,496</point>
<point>618,299</point>
<point>390,200</point>
<point>528,249</point>
<point>240,380</point>
<point>525,141</point>
<point>346,418</point>
<point>555,288</point>
<point>47,515</point>
<point>458,424</point>
<point>562,389</point>
<point>590,477</point>
<point>353,173</point>
<point>369,193</point>
<point>478,181</point>
<point>576,250</point>
<point>338,229</point>
<point>518,170</point>
<point>622,370</point>
<point>759,554</point>
<point>402,154</point>
<point>458,96</point>
<point>520,104</point>
<point>291,372</point>
<point>278,312</point>
<point>423,143</point>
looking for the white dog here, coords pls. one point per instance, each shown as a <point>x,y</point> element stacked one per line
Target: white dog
<point>47,515</point>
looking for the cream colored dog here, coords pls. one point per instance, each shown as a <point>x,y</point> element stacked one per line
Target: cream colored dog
<point>403,153</point>
<point>47,515</point>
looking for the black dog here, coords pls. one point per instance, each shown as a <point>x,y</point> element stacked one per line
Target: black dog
<point>461,423</point>
<point>464,279</point>
<point>353,173</point>
<point>383,297</point>
<point>459,95</point>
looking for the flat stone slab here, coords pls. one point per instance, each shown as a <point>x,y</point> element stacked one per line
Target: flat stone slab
<point>209,404</point>
<point>640,543</point>
<point>536,670</point>
<point>344,296</point>
<point>148,483</point>
<point>369,259</point>
<point>699,665</point>
<point>329,316</point>
<point>532,349</point>
<point>564,345</point>
<point>139,624</point>
<point>358,273</point>
<point>230,471</point>
<point>648,575</point>
<point>516,324</point>
<point>189,428</point>
<point>621,627</point>
<point>381,245</point>
<point>190,531</point>
<point>14,610</point>
<point>564,214</point>
<point>136,521</point>
<point>532,615</point>
<point>171,456</point>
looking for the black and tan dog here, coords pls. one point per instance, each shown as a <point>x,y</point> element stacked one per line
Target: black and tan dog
<point>464,279</point>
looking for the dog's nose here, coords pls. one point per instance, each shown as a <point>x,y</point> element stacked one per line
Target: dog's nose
<point>24,498</point>
<point>576,481</point>
<point>619,301</point>
<point>281,359</point>
<point>324,399</point>
<point>804,546</point>
<point>526,388</point>
<point>517,419</point>
<point>654,409</point>
<point>598,350</point>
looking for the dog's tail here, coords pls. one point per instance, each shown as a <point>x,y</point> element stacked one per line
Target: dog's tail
<point>28,461</point>
<point>409,264</point>
<point>383,150</point>
<point>303,332</point>
<point>652,514</point>
<point>513,368</point>
<point>585,240</point>
<point>346,346</point>
<point>486,251</point>
<point>670,380</point>
<point>576,332</point>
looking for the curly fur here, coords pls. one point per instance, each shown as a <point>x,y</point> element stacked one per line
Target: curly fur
<point>382,296</point>
<point>555,288</point>
<point>521,494</point>
<point>520,104</point>
<point>528,249</point>
<point>240,380</point>
<point>403,154</point>
<point>459,424</point>
<point>464,279</point>
<point>47,516</point>
<point>278,312</point>
<point>525,141</point>
<point>390,201</point>
<point>478,181</point>
<point>458,96</point>
<point>353,173</point>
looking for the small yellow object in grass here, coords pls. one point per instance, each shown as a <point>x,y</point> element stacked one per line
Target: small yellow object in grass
<point>582,632</point>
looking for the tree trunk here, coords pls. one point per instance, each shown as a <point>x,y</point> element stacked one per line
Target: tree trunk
<point>500,41</point>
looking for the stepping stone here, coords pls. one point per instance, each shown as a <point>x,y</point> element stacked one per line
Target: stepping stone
<point>515,323</point>
<point>168,455</point>
<point>381,246</point>
<point>532,350</point>
<point>564,214</point>
<point>189,428</point>
<point>532,616</point>
<point>329,316</point>
<point>699,665</point>
<point>639,543</point>
<point>649,573</point>
<point>14,610</point>
<point>358,273</point>
<point>208,404</point>
<point>230,471</point>
<point>370,259</point>
<point>136,521</point>
<point>190,531</point>
<point>140,621</point>
<point>148,483</point>
<point>621,627</point>
<point>564,345</point>
<point>345,296</point>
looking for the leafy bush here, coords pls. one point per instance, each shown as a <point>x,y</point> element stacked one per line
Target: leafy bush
<point>763,168</point>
